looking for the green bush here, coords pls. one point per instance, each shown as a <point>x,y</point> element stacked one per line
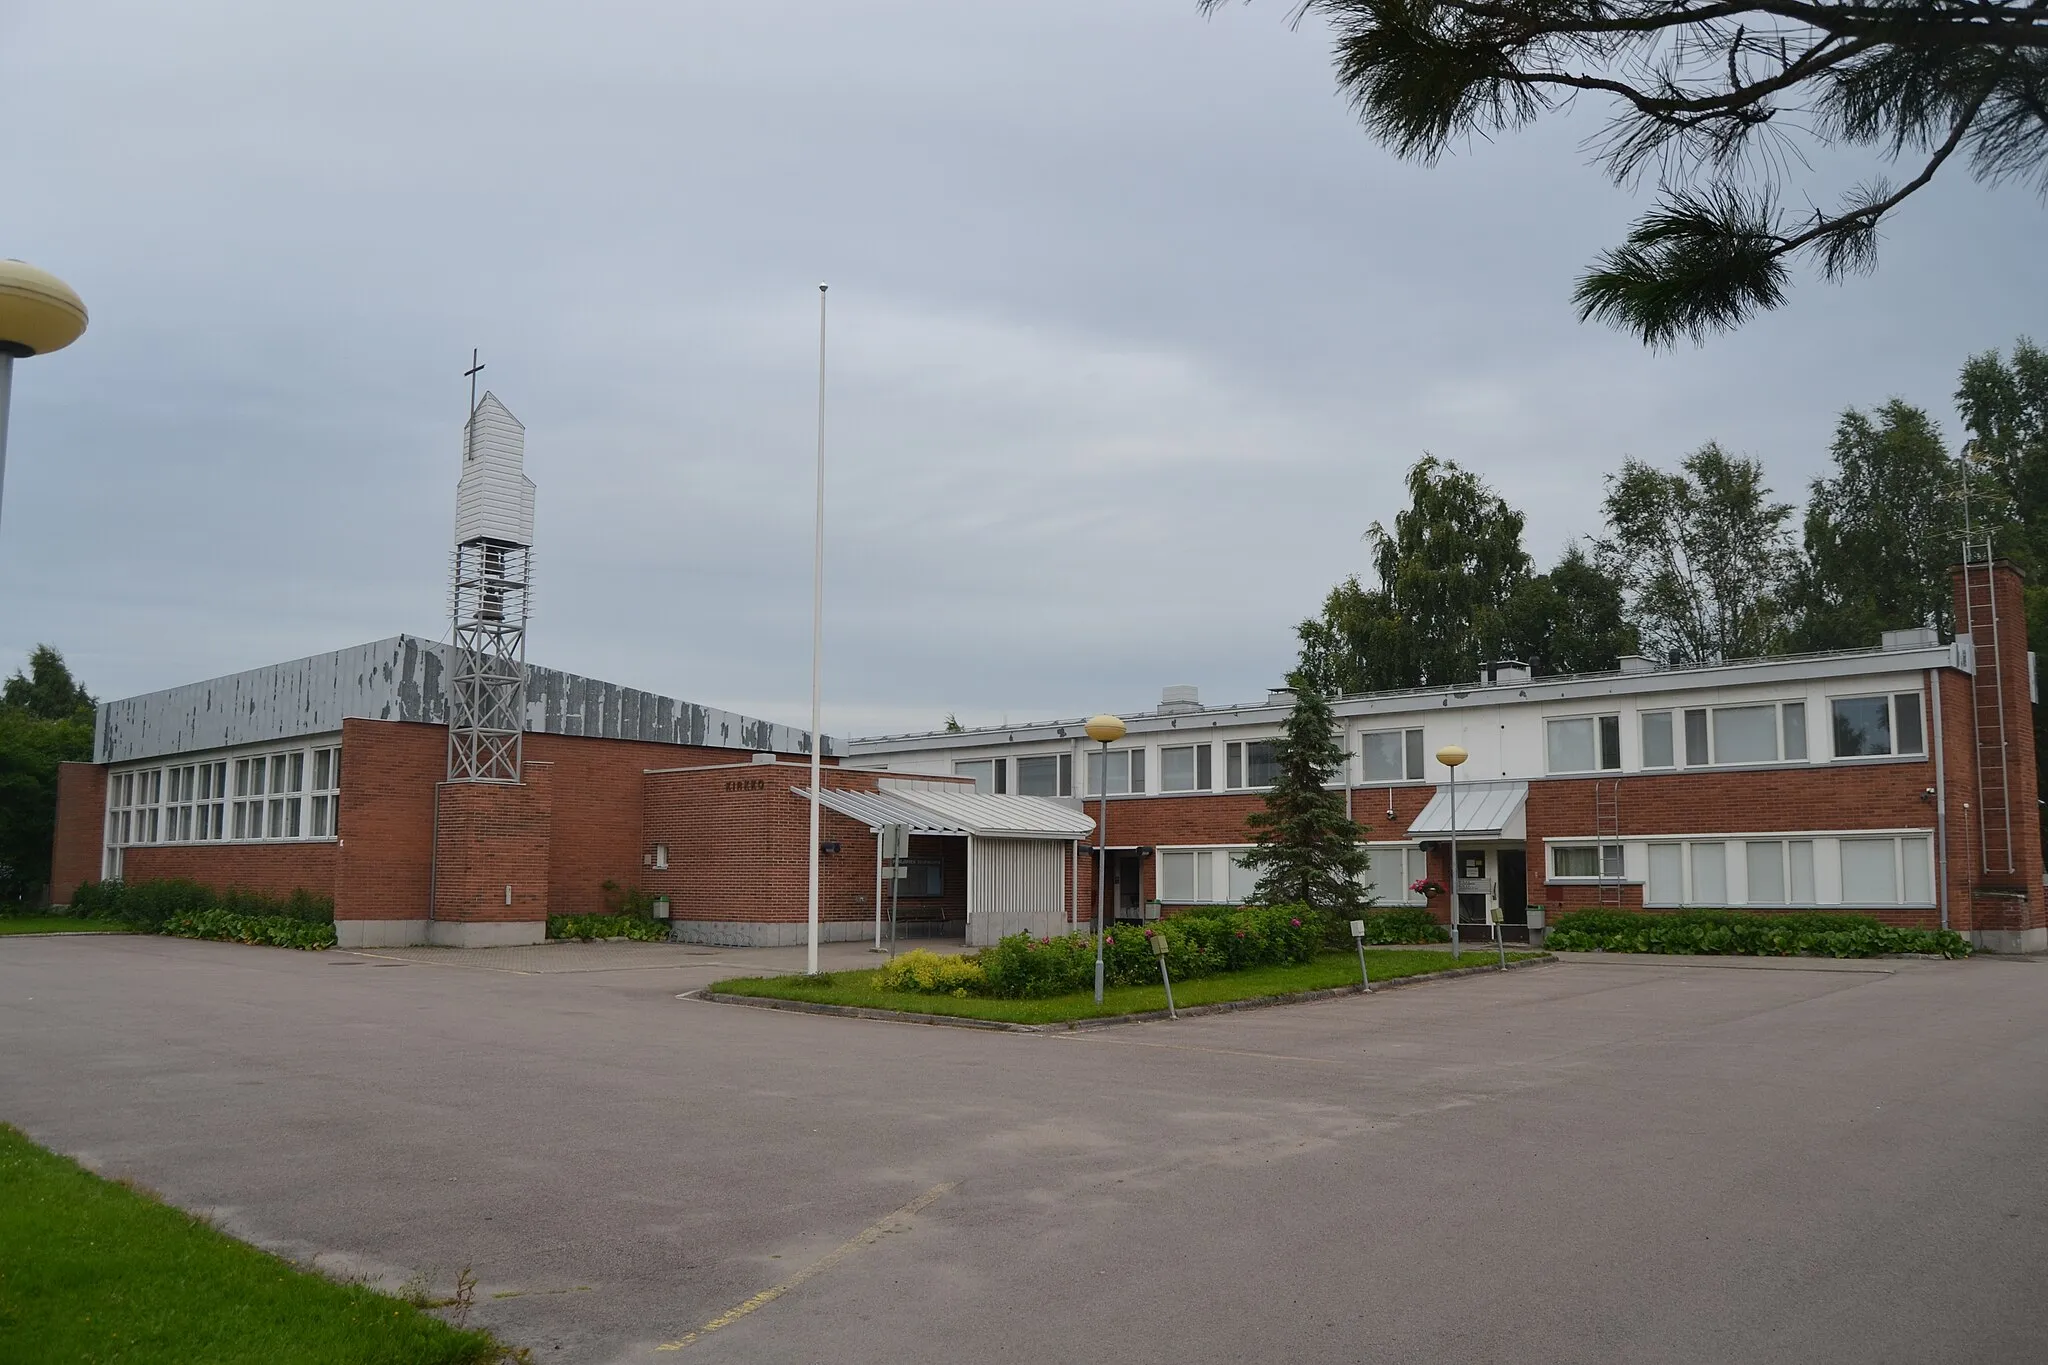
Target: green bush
<point>1745,934</point>
<point>922,972</point>
<point>586,928</point>
<point>150,905</point>
<point>1022,967</point>
<point>1401,924</point>
<point>276,931</point>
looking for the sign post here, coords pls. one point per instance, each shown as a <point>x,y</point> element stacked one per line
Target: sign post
<point>1494,916</point>
<point>1358,936</point>
<point>896,849</point>
<point>1160,948</point>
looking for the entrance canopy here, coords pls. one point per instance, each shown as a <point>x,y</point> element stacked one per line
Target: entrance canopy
<point>930,811</point>
<point>1486,810</point>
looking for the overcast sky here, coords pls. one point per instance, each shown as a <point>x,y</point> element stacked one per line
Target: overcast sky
<point>1133,333</point>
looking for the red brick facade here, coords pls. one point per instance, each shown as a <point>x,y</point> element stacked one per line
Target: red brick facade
<point>81,828</point>
<point>271,869</point>
<point>739,849</point>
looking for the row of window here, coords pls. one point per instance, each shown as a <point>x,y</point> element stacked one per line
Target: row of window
<point>1874,870</point>
<point>291,795</point>
<point>1882,726</point>
<point>1887,725</point>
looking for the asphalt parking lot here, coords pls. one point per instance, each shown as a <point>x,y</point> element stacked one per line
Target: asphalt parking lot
<point>1631,1162</point>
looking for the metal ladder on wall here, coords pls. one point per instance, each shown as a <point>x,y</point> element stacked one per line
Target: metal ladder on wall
<point>1987,707</point>
<point>1607,827</point>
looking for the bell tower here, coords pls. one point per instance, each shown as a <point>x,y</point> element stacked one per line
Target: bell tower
<point>492,574</point>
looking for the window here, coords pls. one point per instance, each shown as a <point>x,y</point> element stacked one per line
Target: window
<point>1800,853</point>
<point>1184,876</point>
<point>1051,775</point>
<point>1764,732</point>
<point>1184,768</point>
<point>1766,859</point>
<point>1696,739</point>
<point>1657,750</point>
<point>1667,875</point>
<point>988,774</point>
<point>1746,734</point>
<point>1877,727</point>
<point>1870,874</point>
<point>1392,871</point>
<point>1795,729</point>
<point>923,878</point>
<point>1249,764</point>
<point>1390,756</point>
<point>1585,860</point>
<point>1244,881</point>
<point>1126,772</point>
<point>326,800</point>
<point>1584,745</point>
<point>1709,875</point>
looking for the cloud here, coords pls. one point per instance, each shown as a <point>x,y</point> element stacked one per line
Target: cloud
<point>1133,333</point>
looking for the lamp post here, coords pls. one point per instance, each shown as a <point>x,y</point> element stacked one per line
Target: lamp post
<point>38,313</point>
<point>1104,730</point>
<point>1451,756</point>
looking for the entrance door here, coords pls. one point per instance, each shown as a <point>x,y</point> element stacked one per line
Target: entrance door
<point>1471,886</point>
<point>1126,882</point>
<point>1514,885</point>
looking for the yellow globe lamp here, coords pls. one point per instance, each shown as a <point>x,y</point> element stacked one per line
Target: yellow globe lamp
<point>1451,755</point>
<point>39,313</point>
<point>1104,729</point>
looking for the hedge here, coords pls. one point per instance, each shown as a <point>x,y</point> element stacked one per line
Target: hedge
<point>1745,934</point>
<point>586,928</point>
<point>150,905</point>
<point>923,972</point>
<point>276,931</point>
<point>1021,967</point>
<point>1395,924</point>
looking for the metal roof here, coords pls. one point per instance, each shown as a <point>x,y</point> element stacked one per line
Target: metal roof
<point>932,812</point>
<point>1485,809</point>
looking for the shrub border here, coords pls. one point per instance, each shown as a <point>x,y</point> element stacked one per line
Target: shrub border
<point>1256,1002</point>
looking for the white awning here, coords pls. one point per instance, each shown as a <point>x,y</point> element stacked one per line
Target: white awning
<point>930,811</point>
<point>1486,810</point>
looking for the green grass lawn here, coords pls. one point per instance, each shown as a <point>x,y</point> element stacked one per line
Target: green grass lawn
<point>93,1271</point>
<point>56,924</point>
<point>1330,969</point>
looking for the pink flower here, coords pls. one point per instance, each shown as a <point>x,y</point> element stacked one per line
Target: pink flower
<point>1295,922</point>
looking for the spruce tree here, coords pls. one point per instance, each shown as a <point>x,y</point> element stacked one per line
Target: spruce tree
<point>1306,844</point>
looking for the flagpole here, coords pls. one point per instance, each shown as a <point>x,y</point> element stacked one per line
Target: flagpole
<point>817,637</point>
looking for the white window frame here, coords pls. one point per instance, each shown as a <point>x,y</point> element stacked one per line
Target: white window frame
<point>1237,765</point>
<point>997,769</point>
<point>1807,884</point>
<point>1597,721</point>
<point>1682,758</point>
<point>1211,867</point>
<point>1133,764</point>
<point>1413,760</point>
<point>1200,758</point>
<point>1891,723</point>
<point>1414,867</point>
<point>189,801</point>
<point>1609,852</point>
<point>1063,774</point>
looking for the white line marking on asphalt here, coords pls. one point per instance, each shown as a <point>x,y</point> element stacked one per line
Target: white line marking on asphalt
<point>871,1233</point>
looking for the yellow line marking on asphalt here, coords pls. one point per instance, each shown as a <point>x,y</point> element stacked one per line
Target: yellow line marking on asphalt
<point>873,1232</point>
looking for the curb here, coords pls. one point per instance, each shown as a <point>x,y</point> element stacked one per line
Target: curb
<point>1107,1021</point>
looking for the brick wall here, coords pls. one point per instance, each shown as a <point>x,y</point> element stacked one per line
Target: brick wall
<point>597,833</point>
<point>81,828</point>
<point>739,848</point>
<point>1997,898</point>
<point>492,848</point>
<point>273,869</point>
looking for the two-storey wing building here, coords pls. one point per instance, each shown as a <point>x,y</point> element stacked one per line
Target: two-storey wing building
<point>1897,780</point>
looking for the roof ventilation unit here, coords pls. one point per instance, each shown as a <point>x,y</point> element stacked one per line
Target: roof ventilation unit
<point>1637,663</point>
<point>1180,697</point>
<point>1919,637</point>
